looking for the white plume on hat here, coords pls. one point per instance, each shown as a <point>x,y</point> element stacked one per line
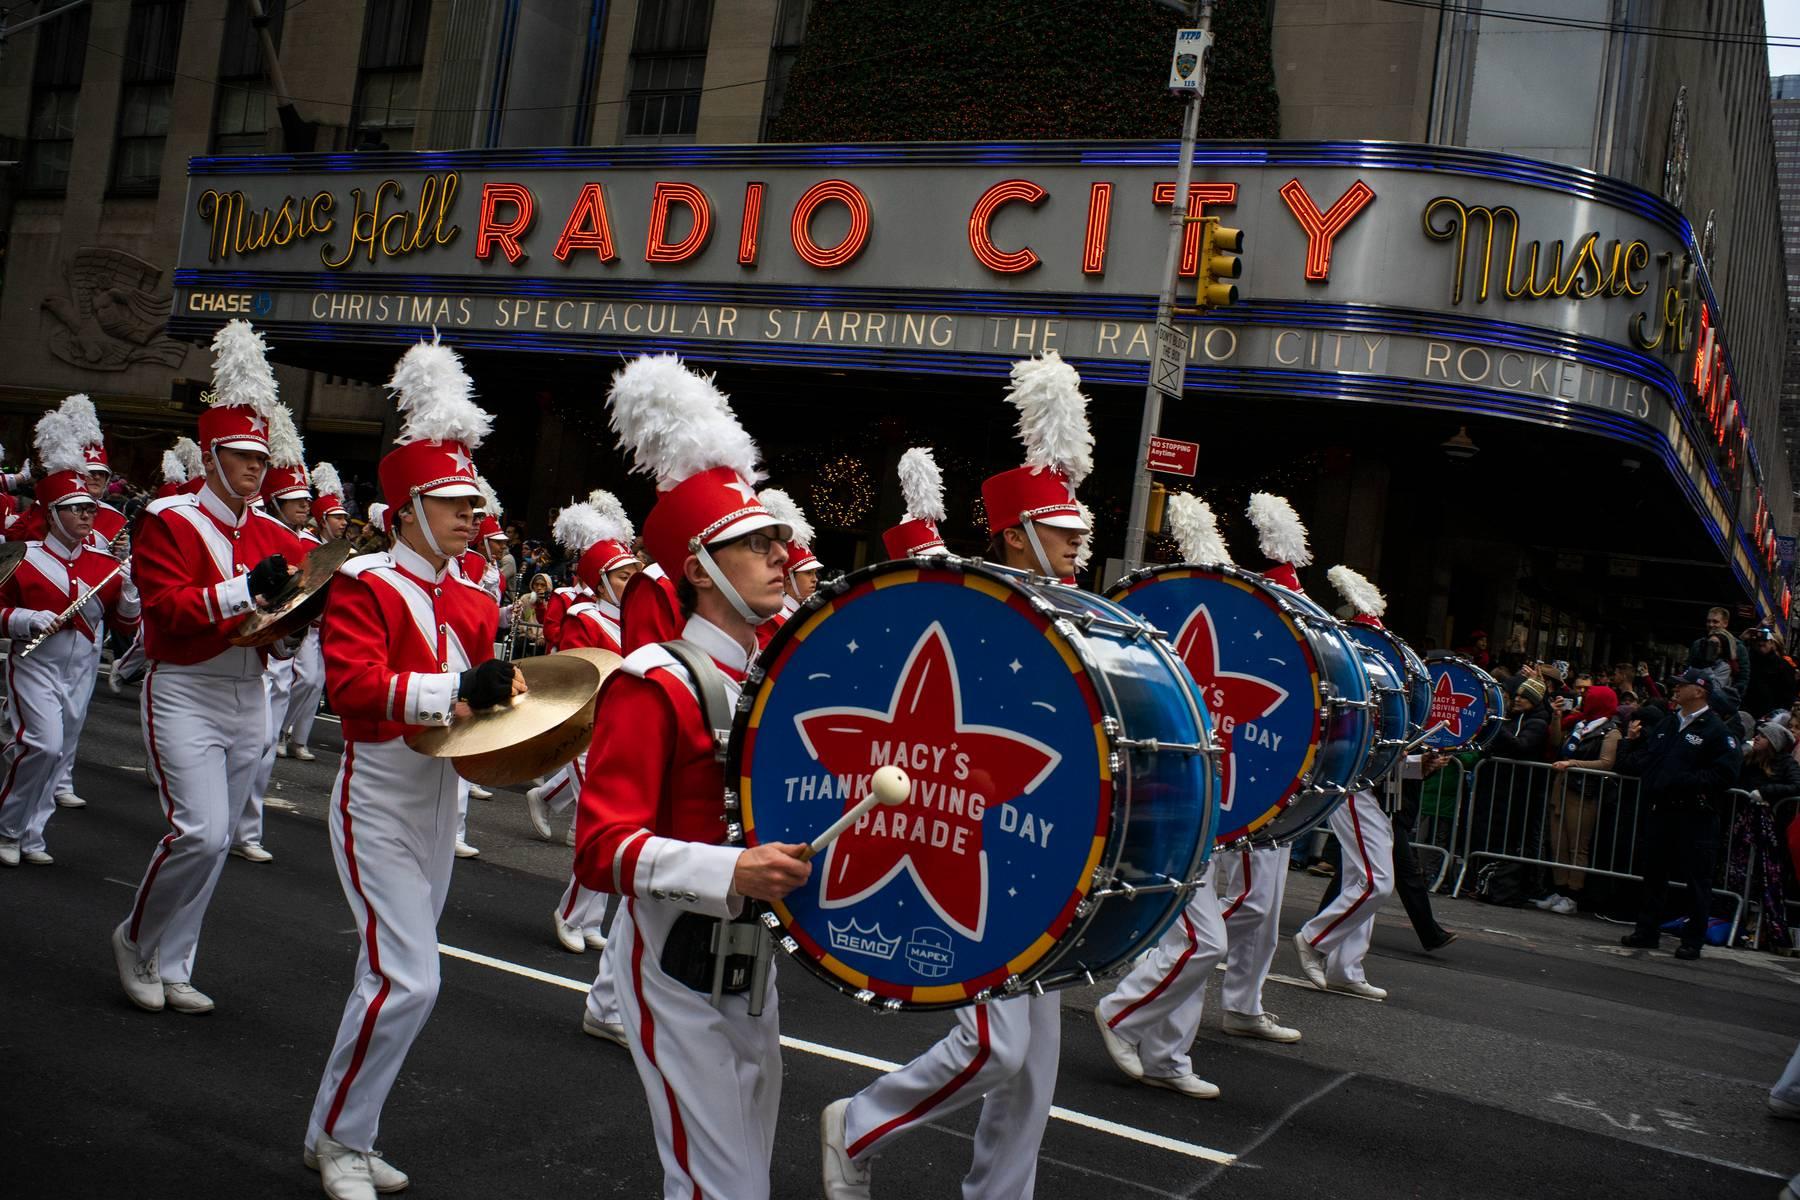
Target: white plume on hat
<point>1280,535</point>
<point>188,451</point>
<point>59,443</point>
<point>84,422</point>
<point>172,469</point>
<point>676,423</point>
<point>1084,553</point>
<point>377,515</point>
<point>437,398</point>
<point>577,527</point>
<point>241,371</point>
<point>922,484</point>
<point>785,509</point>
<point>1357,591</point>
<point>1196,531</point>
<point>615,525</point>
<point>326,482</point>
<point>1053,422</point>
<point>490,499</point>
<point>285,449</point>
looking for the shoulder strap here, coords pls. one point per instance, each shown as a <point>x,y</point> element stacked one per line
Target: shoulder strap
<point>709,685</point>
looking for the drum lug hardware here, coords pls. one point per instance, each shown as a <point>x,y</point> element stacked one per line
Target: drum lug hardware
<point>1065,627</point>
<point>1110,726</point>
<point>770,919</point>
<point>790,945</point>
<point>754,675</point>
<point>734,833</point>
<point>890,1005</point>
<point>1083,908</point>
<point>837,587</point>
<point>865,996</point>
<point>1115,762</point>
<point>731,800</point>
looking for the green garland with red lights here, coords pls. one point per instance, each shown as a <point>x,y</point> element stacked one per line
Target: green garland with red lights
<point>985,70</point>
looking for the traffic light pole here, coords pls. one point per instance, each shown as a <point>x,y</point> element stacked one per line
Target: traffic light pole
<point>1135,533</point>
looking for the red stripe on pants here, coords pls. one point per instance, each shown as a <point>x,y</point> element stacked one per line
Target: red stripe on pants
<point>367,1031</point>
<point>162,786</point>
<point>1368,873</point>
<point>1243,895</point>
<point>1180,962</point>
<point>938,1097</point>
<point>647,1031</point>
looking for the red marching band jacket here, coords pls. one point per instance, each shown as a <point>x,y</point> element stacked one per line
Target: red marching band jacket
<point>396,638</point>
<point>190,561</point>
<point>591,623</point>
<point>47,581</point>
<point>652,816</point>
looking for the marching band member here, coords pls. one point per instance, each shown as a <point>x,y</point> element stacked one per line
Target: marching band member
<point>803,564</point>
<point>651,820</point>
<point>51,687</point>
<point>478,565</point>
<point>550,616</point>
<point>287,496</point>
<point>200,562</point>
<point>174,474</point>
<point>329,518</point>
<point>922,487</point>
<point>128,666</point>
<point>1003,1053</point>
<point>1334,943</point>
<point>11,482</point>
<point>1148,1022</point>
<point>402,634</point>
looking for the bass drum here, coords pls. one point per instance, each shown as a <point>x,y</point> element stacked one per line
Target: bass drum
<point>1287,690</point>
<point>1404,661</point>
<point>1467,705</point>
<point>1063,794</point>
<point>1392,718</point>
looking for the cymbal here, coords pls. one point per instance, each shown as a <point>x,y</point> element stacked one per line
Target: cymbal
<point>11,555</point>
<point>298,604</point>
<point>534,734</point>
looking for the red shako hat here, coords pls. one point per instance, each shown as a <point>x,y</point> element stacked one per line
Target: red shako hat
<point>1196,531</point>
<point>286,478</point>
<point>1281,537</point>
<point>785,509</point>
<point>174,474</point>
<point>87,427</point>
<point>243,397</point>
<point>922,485</point>
<point>598,534</point>
<point>62,438</point>
<point>1360,595</point>
<point>330,489</point>
<point>491,512</point>
<point>434,452</point>
<point>680,429</point>
<point>1059,449</point>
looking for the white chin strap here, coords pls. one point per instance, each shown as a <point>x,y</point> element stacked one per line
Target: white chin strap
<point>256,487</point>
<point>418,507</point>
<point>1037,548</point>
<point>61,529</point>
<point>724,585</point>
<point>606,586</point>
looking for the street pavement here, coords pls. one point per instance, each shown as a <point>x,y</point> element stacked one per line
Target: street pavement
<point>1533,1059</point>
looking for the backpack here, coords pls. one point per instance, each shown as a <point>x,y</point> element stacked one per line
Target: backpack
<point>1503,883</point>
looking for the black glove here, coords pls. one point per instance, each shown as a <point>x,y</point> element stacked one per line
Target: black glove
<point>268,576</point>
<point>488,685</point>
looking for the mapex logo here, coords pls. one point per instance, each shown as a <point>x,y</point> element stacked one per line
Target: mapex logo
<point>929,952</point>
<point>854,939</point>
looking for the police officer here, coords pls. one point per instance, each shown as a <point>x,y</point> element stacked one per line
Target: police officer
<point>1684,767</point>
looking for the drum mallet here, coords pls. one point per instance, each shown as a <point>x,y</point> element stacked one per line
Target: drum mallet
<point>889,785</point>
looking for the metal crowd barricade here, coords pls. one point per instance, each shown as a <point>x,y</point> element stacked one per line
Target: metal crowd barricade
<point>1442,798</point>
<point>1574,820</point>
<point>1748,899</point>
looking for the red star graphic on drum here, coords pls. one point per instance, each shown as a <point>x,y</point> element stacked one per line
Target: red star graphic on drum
<point>959,772</point>
<point>1230,697</point>
<point>1447,705</point>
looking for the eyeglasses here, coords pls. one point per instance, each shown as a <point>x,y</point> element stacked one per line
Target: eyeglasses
<point>80,510</point>
<point>758,544</point>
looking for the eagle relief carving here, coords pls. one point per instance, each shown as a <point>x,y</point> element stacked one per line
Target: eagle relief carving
<point>115,315</point>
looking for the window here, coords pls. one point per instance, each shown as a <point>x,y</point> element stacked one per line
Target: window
<point>246,107</point>
<point>55,84</point>
<point>387,85</point>
<point>151,42</point>
<point>784,48</point>
<point>668,62</point>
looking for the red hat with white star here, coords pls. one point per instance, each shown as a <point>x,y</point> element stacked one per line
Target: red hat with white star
<point>1059,449</point>
<point>680,429</point>
<point>434,453</point>
<point>1281,537</point>
<point>598,533</point>
<point>286,478</point>
<point>60,438</point>
<point>330,499</point>
<point>1361,595</point>
<point>488,528</point>
<point>787,510</point>
<point>243,397</point>
<point>922,485</point>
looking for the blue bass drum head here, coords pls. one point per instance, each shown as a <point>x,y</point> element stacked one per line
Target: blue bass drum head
<point>1466,699</point>
<point>951,674</point>
<point>1405,664</point>
<point>1257,676</point>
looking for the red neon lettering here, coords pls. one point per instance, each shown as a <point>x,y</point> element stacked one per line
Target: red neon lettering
<point>1703,352</point>
<point>587,227</point>
<point>1008,262</point>
<point>491,231</point>
<point>1323,227</point>
<point>751,228</point>
<point>1199,196</point>
<point>659,250</point>
<point>1099,223</point>
<point>811,252</point>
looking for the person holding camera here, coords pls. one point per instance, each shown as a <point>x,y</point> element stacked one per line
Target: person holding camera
<point>1772,681</point>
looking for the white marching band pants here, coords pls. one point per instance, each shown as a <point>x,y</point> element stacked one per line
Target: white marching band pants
<point>1251,884</point>
<point>712,1076</point>
<point>1158,1005</point>
<point>280,682</point>
<point>392,825</point>
<point>577,906</point>
<point>603,997</point>
<point>193,718</point>
<point>1003,1054</point>
<point>65,767</point>
<point>49,693</point>
<point>308,688</point>
<point>1342,929</point>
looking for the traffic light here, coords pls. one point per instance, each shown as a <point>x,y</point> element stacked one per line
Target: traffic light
<point>1219,250</point>
<point>1159,500</point>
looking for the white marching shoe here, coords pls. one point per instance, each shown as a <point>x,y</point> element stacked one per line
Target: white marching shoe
<point>843,1179</point>
<point>477,792</point>
<point>143,986</point>
<point>606,1031</point>
<point>281,748</point>
<point>69,800</point>
<point>595,939</point>
<point>1263,1025</point>
<point>384,1176</point>
<point>1123,1053</point>
<point>568,936</point>
<point>1188,1085</point>
<point>1359,987</point>
<point>38,858</point>
<point>538,813</point>
<point>300,752</point>
<point>464,850</point>
<point>252,852</point>
<point>1311,962</point>
<point>185,997</point>
<point>9,852</point>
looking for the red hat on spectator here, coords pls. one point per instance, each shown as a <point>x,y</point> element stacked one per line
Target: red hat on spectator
<point>922,485</point>
<point>1281,537</point>
<point>1360,595</point>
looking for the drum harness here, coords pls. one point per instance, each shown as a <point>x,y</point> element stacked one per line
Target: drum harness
<point>713,955</point>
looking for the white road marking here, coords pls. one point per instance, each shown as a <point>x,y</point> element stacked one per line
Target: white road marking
<point>1099,1124</point>
<point>1307,985</point>
<point>1275,1126</point>
<point>121,882</point>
